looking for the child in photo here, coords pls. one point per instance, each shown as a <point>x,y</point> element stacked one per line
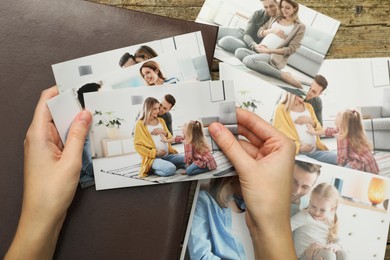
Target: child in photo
<point>353,147</point>
<point>315,228</point>
<point>219,230</point>
<point>197,152</point>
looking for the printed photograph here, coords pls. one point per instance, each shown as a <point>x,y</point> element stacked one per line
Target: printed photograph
<point>148,135</point>
<point>169,68</point>
<point>282,42</point>
<point>82,70</point>
<point>342,120</point>
<point>336,213</point>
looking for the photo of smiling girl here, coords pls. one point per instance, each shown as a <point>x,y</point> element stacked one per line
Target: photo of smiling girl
<point>315,229</point>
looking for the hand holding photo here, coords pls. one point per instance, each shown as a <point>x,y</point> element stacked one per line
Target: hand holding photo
<point>162,136</point>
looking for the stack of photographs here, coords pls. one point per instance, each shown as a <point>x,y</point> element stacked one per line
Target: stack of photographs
<point>152,104</point>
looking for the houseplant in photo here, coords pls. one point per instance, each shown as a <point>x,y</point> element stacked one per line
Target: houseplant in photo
<point>110,121</point>
<point>248,103</point>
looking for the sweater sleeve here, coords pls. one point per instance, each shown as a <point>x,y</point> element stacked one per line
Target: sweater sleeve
<point>257,18</point>
<point>281,122</point>
<point>199,242</point>
<point>143,144</point>
<point>295,42</point>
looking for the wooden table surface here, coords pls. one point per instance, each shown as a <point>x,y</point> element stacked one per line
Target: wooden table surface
<point>363,35</point>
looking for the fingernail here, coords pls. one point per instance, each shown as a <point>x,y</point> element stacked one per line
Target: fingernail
<point>215,129</point>
<point>84,117</point>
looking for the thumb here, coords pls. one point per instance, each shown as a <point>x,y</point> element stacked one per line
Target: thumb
<point>229,145</point>
<point>76,136</point>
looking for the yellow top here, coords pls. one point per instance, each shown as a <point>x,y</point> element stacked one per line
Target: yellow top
<point>283,122</point>
<point>144,145</point>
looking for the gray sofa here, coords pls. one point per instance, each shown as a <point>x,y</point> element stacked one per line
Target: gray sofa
<point>309,57</point>
<point>227,116</point>
<point>376,122</point>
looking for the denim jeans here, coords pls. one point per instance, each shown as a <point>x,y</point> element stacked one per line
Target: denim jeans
<point>194,169</point>
<point>323,156</point>
<point>167,165</point>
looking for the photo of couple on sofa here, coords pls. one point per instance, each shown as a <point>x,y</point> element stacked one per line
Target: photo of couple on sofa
<point>272,36</point>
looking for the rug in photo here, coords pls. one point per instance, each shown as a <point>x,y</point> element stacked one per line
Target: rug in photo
<point>137,139</point>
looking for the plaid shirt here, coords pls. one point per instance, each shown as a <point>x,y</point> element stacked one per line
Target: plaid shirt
<point>364,161</point>
<point>202,160</point>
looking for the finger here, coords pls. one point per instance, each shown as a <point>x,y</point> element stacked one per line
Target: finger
<point>262,129</point>
<point>228,144</point>
<point>249,148</point>
<point>42,114</point>
<point>252,138</point>
<point>76,137</point>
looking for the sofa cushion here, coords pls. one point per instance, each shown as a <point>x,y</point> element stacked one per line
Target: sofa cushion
<point>386,103</point>
<point>316,40</point>
<point>380,124</point>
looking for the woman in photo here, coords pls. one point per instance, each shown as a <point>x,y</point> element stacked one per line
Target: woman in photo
<point>291,117</point>
<point>150,71</point>
<point>158,157</point>
<point>219,230</point>
<point>144,53</point>
<point>354,150</point>
<point>282,37</point>
<point>315,228</point>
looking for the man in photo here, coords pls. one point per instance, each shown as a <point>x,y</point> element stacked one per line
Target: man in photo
<point>313,95</point>
<point>165,106</point>
<point>304,177</point>
<point>231,39</point>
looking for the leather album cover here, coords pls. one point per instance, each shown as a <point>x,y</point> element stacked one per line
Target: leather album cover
<point>114,224</point>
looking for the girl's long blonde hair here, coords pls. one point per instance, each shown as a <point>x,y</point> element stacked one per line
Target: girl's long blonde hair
<point>147,109</point>
<point>329,192</point>
<point>194,135</point>
<point>351,128</point>
<point>222,189</point>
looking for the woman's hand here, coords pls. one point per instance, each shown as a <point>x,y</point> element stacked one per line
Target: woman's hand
<point>301,120</point>
<point>51,175</point>
<point>161,152</point>
<point>264,163</point>
<point>158,131</point>
<point>279,32</point>
<point>306,148</point>
<point>263,49</point>
<point>163,138</point>
<point>310,129</point>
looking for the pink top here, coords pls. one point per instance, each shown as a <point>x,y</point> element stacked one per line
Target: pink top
<point>202,160</point>
<point>363,161</point>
